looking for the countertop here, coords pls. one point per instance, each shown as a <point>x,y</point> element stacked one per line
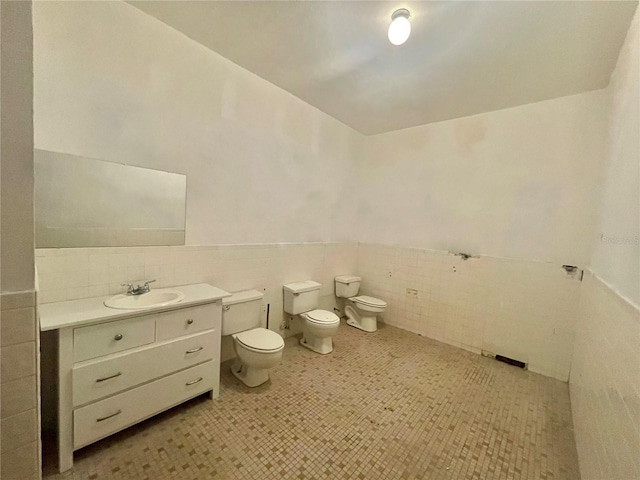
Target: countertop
<point>74,313</point>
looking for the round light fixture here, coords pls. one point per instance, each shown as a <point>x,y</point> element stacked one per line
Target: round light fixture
<point>400,27</point>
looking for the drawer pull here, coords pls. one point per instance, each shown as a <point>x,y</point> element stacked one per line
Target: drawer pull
<point>190,321</point>
<point>193,382</point>
<point>109,416</point>
<point>108,378</point>
<point>194,350</point>
<point>118,337</point>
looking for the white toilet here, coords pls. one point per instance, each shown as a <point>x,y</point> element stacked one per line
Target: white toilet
<point>257,349</point>
<point>301,299</point>
<point>361,311</point>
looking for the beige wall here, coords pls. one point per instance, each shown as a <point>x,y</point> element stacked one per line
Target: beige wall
<point>512,183</point>
<point>605,371</point>
<point>19,442</point>
<point>615,255</point>
<point>114,83</point>
<point>17,147</point>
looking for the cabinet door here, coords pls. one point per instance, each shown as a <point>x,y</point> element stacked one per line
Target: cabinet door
<point>100,419</point>
<point>101,378</point>
<point>188,320</point>
<point>112,337</point>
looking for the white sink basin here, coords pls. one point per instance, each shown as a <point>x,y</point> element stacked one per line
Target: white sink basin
<point>154,298</point>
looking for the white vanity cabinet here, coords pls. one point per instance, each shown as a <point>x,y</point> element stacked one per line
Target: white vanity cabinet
<point>119,367</point>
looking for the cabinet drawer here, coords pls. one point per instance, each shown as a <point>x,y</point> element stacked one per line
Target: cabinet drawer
<point>188,320</point>
<point>97,420</point>
<point>101,378</point>
<point>111,337</point>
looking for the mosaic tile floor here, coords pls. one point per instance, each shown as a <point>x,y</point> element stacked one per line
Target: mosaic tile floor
<point>387,405</point>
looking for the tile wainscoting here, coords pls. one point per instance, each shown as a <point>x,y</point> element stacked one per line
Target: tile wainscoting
<point>605,393</point>
<point>67,274</point>
<point>520,309</point>
<point>19,444</point>
<point>516,308</point>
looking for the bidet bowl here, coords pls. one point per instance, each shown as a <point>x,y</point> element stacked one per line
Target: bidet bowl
<point>155,298</point>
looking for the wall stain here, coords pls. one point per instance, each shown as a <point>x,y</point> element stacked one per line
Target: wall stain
<point>468,133</point>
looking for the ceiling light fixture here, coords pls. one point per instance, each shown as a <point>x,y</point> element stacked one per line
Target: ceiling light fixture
<point>400,27</point>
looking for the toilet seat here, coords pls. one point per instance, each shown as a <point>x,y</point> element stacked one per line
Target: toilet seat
<point>321,317</point>
<point>260,340</point>
<point>369,301</point>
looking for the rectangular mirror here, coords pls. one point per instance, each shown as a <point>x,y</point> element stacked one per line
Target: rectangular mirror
<point>83,202</point>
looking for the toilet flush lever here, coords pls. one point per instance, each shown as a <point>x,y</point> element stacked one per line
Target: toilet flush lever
<point>226,308</point>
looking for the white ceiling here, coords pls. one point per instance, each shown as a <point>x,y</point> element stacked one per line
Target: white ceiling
<point>462,58</point>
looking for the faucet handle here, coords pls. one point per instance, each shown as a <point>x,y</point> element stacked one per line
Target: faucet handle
<point>128,285</point>
<point>145,288</point>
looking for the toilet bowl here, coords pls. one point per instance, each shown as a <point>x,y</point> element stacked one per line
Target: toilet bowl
<point>319,328</point>
<point>257,349</point>
<point>361,310</point>
<point>301,299</point>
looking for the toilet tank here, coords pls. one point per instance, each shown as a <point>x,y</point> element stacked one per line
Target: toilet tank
<point>241,311</point>
<point>347,286</point>
<point>301,297</point>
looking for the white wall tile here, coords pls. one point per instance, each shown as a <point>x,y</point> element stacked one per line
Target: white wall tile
<point>77,293</point>
<point>605,393</point>
<point>481,303</point>
<point>77,262</point>
<point>13,300</point>
<point>98,290</point>
<point>77,278</point>
<point>21,463</point>
<point>18,326</point>
<point>98,262</point>
<point>231,267</point>
<point>504,306</point>
<point>18,361</point>
<point>19,430</point>
<point>18,396</point>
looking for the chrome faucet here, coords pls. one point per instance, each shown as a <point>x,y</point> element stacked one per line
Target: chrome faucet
<point>139,290</point>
